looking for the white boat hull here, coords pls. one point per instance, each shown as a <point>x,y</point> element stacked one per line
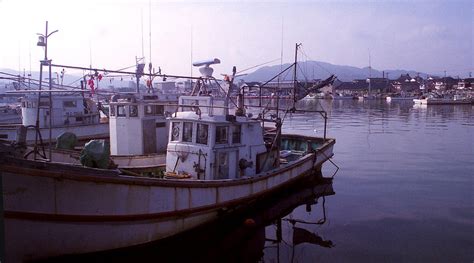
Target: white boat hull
<point>83,132</point>
<point>56,209</point>
<point>430,101</point>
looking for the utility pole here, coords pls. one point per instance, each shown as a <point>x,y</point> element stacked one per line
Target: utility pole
<point>43,42</point>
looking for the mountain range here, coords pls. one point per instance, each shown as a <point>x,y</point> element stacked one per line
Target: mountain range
<point>307,70</point>
<point>320,70</point>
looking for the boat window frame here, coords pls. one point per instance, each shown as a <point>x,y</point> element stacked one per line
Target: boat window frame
<point>119,111</point>
<point>187,131</point>
<point>175,127</point>
<point>222,134</point>
<point>44,103</point>
<point>112,110</point>
<point>205,133</point>
<point>154,110</point>
<point>69,104</point>
<point>133,110</point>
<point>235,133</point>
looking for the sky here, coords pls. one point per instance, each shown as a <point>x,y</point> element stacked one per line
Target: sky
<point>425,35</point>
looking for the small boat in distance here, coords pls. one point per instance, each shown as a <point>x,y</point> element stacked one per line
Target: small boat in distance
<point>433,99</point>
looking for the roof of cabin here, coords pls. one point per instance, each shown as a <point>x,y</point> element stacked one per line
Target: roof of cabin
<point>192,116</point>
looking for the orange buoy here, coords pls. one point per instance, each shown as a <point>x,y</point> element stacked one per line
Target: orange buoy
<point>249,222</point>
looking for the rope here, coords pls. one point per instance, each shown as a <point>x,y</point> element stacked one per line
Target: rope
<point>302,51</point>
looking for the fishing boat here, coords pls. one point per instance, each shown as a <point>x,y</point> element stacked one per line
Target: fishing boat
<point>240,236</point>
<point>138,133</point>
<point>217,160</point>
<point>53,208</point>
<point>9,113</point>
<point>443,100</point>
<point>69,112</point>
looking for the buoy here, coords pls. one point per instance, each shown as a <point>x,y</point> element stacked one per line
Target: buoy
<point>249,222</point>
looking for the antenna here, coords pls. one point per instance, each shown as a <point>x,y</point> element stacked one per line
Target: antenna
<point>90,54</point>
<point>149,26</point>
<point>370,74</point>
<point>281,65</point>
<point>29,75</point>
<point>370,66</point>
<point>205,70</point>
<point>191,52</point>
<point>143,49</point>
<point>281,46</point>
<point>19,59</point>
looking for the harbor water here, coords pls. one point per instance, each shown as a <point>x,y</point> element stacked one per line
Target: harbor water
<point>403,193</point>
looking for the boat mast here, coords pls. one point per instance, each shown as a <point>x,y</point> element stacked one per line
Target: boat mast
<point>295,81</point>
<point>150,65</point>
<point>370,75</point>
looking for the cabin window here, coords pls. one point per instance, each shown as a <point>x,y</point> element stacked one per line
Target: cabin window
<point>79,119</point>
<point>31,104</point>
<point>112,110</point>
<point>190,102</point>
<point>160,124</point>
<point>148,110</point>
<point>44,103</point>
<point>159,109</point>
<point>133,110</point>
<point>221,134</point>
<point>69,104</point>
<point>175,131</point>
<point>121,111</point>
<point>154,110</point>
<point>23,104</point>
<point>202,133</point>
<point>187,132</point>
<point>236,134</point>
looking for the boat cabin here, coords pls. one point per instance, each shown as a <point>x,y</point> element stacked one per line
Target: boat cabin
<point>206,143</point>
<point>138,123</point>
<point>67,110</point>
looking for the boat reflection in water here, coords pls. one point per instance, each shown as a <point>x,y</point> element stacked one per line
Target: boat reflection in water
<point>237,236</point>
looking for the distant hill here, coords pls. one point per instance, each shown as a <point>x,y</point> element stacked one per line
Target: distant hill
<point>306,70</point>
<point>321,70</point>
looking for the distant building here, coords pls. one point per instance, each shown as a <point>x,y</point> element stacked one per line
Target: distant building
<point>446,83</point>
<point>362,86</point>
<point>466,84</point>
<point>406,83</point>
<point>166,87</point>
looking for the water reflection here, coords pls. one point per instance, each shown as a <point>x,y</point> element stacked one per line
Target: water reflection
<point>238,237</point>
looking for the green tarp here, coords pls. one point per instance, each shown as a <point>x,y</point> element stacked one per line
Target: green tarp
<point>67,140</point>
<point>96,154</point>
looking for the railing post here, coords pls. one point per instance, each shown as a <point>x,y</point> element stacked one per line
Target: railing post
<point>325,123</point>
<point>2,223</point>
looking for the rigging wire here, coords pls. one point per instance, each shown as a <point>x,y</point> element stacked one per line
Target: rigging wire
<point>268,62</point>
<point>304,53</point>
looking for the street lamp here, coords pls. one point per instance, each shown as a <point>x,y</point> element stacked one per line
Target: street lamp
<point>43,42</point>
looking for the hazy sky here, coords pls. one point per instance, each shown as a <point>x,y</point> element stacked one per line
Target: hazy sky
<point>427,36</point>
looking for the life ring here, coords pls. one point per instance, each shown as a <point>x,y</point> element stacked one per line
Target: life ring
<point>175,132</point>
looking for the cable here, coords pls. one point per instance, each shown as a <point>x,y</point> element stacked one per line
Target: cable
<point>257,66</point>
